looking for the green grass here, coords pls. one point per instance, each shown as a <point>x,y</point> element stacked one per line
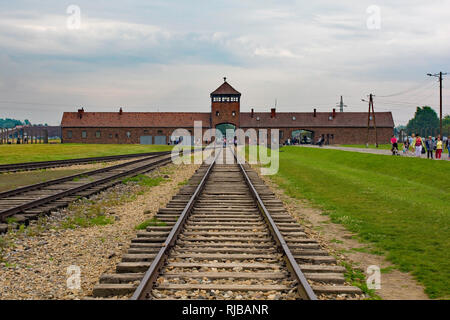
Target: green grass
<point>47,152</point>
<point>357,278</point>
<point>11,220</point>
<point>150,222</point>
<point>144,180</point>
<point>400,205</point>
<point>84,222</point>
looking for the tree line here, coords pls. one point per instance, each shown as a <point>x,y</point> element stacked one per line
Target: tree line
<point>426,123</point>
<point>8,123</point>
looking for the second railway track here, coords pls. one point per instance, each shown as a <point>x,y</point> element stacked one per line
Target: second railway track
<point>38,165</point>
<point>225,236</point>
<point>29,202</point>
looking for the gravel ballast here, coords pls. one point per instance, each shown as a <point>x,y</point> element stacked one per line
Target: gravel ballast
<point>34,261</point>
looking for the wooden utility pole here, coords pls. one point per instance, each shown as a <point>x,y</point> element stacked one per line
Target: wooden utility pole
<point>374,121</point>
<point>440,103</point>
<point>440,76</point>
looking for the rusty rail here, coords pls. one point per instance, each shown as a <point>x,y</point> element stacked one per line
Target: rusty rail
<point>304,289</point>
<point>71,177</point>
<point>61,163</point>
<point>40,201</point>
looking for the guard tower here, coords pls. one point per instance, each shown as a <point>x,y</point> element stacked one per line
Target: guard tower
<point>225,105</point>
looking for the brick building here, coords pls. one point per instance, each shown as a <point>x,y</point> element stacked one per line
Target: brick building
<point>157,127</point>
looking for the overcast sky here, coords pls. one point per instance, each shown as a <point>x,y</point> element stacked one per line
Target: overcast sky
<point>169,55</point>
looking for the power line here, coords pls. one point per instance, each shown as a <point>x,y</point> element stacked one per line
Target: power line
<point>440,76</point>
<point>421,86</point>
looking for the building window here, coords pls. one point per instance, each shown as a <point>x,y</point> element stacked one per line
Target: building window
<point>110,135</point>
<point>160,131</point>
<point>281,134</point>
<point>97,134</point>
<point>217,113</point>
<point>145,131</point>
<point>233,113</point>
<point>117,135</point>
<point>84,134</point>
<point>293,118</point>
<point>128,134</point>
<point>69,134</point>
<point>257,118</point>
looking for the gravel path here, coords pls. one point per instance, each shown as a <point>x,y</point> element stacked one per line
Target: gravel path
<point>375,151</point>
<point>35,260</point>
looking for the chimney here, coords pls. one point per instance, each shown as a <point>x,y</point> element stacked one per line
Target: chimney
<point>253,113</point>
<point>334,113</point>
<point>272,113</point>
<point>315,113</point>
<point>120,111</point>
<point>80,113</point>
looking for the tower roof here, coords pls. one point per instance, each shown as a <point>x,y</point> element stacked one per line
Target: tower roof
<point>225,88</point>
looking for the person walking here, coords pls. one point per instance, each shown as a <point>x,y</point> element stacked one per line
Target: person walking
<point>438,148</point>
<point>412,142</point>
<point>448,147</point>
<point>406,146</point>
<point>394,145</point>
<point>418,146</point>
<point>429,144</point>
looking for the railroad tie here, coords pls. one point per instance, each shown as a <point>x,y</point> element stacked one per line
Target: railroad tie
<point>224,249</point>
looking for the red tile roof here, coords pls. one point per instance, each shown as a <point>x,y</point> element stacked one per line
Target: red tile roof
<point>307,119</point>
<point>186,119</point>
<point>134,119</point>
<point>225,88</point>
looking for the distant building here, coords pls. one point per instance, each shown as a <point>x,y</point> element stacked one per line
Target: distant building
<point>157,127</point>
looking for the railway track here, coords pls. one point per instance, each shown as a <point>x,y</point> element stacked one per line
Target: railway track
<point>225,236</point>
<point>26,203</point>
<point>4,168</point>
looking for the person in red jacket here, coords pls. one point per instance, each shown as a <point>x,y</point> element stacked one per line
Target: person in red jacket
<point>418,146</point>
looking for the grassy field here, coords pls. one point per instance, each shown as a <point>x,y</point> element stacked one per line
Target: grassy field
<point>399,204</point>
<point>46,152</point>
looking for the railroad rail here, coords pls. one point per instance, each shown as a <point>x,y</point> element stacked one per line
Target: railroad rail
<point>224,236</point>
<point>29,202</point>
<point>15,167</point>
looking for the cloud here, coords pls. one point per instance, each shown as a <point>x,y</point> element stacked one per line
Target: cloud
<point>171,54</point>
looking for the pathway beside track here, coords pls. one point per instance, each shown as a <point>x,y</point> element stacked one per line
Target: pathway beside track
<point>376,151</point>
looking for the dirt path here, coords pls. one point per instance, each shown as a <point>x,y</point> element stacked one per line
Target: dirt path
<point>377,151</point>
<point>395,285</point>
